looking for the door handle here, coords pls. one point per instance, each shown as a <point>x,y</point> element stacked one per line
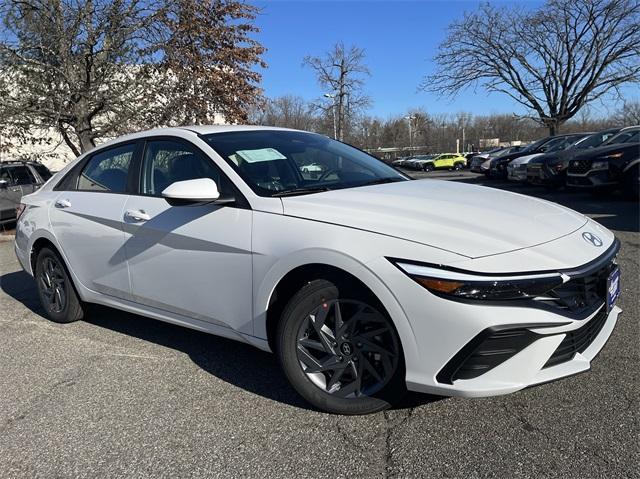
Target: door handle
<point>137,215</point>
<point>62,203</point>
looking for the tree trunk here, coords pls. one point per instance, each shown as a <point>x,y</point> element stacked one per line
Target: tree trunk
<point>85,135</point>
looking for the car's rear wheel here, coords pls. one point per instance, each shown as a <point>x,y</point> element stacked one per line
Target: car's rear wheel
<point>428,167</point>
<point>340,351</point>
<point>57,294</point>
<point>458,166</point>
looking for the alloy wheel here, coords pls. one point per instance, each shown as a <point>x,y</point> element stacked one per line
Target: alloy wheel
<point>52,285</point>
<point>347,348</point>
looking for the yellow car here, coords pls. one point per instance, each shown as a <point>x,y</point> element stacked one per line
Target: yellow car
<point>450,161</point>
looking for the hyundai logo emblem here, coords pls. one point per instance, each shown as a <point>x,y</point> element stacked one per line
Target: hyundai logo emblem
<point>591,238</point>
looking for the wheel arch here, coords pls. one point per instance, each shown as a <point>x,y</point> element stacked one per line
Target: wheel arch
<point>282,282</point>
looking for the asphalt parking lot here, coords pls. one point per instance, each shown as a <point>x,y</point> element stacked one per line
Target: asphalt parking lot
<point>119,395</point>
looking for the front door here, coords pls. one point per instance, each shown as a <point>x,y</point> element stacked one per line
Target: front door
<point>87,219</point>
<point>191,260</point>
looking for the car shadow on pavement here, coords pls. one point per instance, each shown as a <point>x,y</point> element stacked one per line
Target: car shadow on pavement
<point>234,362</point>
<point>611,210</point>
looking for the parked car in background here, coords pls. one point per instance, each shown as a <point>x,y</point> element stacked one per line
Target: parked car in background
<point>550,169</point>
<point>517,169</point>
<point>479,159</point>
<point>364,283</point>
<point>399,161</point>
<point>18,178</point>
<point>476,160</point>
<point>417,162</point>
<point>450,161</point>
<point>498,167</point>
<point>612,166</point>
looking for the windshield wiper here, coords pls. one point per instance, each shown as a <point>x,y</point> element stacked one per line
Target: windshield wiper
<point>381,181</point>
<point>300,191</point>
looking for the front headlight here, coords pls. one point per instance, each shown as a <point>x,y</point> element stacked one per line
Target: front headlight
<point>467,285</point>
<point>612,156</point>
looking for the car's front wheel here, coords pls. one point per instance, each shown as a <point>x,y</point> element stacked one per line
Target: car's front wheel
<point>340,351</point>
<point>57,294</point>
<point>428,167</point>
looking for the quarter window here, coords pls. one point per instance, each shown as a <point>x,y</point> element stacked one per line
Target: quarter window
<point>167,161</point>
<point>107,170</point>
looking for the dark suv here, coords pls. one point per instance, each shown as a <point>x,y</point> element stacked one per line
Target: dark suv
<point>18,178</point>
<point>612,166</point>
<point>550,169</point>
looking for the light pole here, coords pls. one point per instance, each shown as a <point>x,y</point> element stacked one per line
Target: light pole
<point>410,118</point>
<point>333,110</point>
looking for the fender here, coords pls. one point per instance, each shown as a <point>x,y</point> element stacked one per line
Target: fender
<point>631,164</point>
<point>337,259</point>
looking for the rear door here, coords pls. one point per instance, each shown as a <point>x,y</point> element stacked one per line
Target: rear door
<point>87,219</point>
<point>190,260</point>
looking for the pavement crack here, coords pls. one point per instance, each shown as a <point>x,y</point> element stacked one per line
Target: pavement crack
<point>70,380</point>
<point>391,425</point>
<point>524,421</point>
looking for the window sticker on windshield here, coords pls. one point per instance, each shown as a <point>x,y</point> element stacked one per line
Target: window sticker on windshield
<point>263,154</point>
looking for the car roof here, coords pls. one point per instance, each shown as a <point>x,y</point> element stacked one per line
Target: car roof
<point>18,162</point>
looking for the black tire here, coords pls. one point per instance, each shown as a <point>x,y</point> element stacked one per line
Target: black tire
<point>632,183</point>
<point>428,167</point>
<point>58,296</point>
<point>296,321</point>
<point>458,166</point>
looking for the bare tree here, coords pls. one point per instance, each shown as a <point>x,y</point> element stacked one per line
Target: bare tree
<point>553,60</point>
<point>93,69</point>
<point>628,114</point>
<point>341,72</point>
<point>287,111</point>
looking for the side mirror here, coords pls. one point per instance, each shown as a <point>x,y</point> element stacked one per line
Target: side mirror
<point>201,190</point>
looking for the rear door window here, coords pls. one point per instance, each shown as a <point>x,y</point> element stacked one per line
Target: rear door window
<point>107,170</point>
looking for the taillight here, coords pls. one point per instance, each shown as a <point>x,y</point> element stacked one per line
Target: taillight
<point>19,210</point>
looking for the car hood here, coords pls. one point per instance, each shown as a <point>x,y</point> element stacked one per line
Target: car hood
<point>603,150</point>
<point>524,159</point>
<point>469,220</point>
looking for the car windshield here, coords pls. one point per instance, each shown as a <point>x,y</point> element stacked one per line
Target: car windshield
<point>562,143</point>
<point>625,136</point>
<point>535,145</point>
<point>594,140</point>
<point>280,162</point>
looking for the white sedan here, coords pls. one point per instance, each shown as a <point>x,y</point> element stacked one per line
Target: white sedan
<point>363,282</point>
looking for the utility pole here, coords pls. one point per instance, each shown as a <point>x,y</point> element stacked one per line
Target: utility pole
<point>333,110</point>
<point>410,118</point>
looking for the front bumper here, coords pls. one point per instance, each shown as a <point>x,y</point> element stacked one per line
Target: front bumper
<point>561,341</point>
<point>553,353</point>
<point>592,179</point>
<point>516,173</point>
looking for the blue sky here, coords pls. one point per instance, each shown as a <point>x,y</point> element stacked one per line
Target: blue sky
<point>400,39</point>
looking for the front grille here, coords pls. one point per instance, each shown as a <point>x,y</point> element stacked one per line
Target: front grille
<point>578,340</point>
<point>579,166</point>
<point>582,293</point>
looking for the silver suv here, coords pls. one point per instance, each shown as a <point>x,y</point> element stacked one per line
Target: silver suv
<point>18,178</point>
